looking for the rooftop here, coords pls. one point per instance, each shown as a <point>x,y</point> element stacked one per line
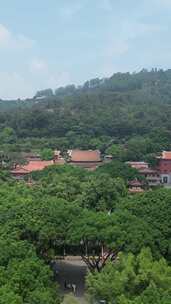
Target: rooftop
<point>166,155</point>
<point>136,190</point>
<point>135,183</point>
<point>32,166</point>
<point>138,165</point>
<point>84,156</point>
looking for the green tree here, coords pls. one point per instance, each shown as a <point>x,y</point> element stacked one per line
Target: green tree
<point>119,169</point>
<point>8,135</point>
<point>132,280</point>
<point>47,154</point>
<point>8,296</point>
<point>117,151</point>
<point>102,192</point>
<point>44,93</point>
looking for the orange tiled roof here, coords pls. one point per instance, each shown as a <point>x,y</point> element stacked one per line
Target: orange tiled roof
<point>32,166</point>
<point>166,155</point>
<point>85,156</point>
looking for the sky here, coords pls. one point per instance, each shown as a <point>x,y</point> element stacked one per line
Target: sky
<point>52,43</point>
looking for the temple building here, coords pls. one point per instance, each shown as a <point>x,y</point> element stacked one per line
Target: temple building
<point>35,164</point>
<point>135,186</point>
<point>152,176</point>
<point>164,167</point>
<point>88,159</point>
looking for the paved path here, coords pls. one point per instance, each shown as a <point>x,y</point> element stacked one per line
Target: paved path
<point>71,272</point>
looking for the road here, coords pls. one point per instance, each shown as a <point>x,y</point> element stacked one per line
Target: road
<point>71,272</point>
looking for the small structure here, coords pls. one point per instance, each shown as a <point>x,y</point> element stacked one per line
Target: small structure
<point>152,176</point>
<point>57,155</point>
<point>20,171</point>
<point>89,159</point>
<point>108,158</point>
<point>138,165</point>
<point>164,167</point>
<point>135,186</point>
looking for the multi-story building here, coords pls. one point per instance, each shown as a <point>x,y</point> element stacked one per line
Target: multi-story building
<point>135,186</point>
<point>152,176</point>
<point>164,167</point>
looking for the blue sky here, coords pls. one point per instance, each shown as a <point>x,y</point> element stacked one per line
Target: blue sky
<point>49,43</point>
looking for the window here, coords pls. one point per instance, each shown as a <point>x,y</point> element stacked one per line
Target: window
<point>165,179</point>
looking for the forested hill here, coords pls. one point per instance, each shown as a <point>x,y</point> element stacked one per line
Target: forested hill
<point>155,81</point>
<point>125,107</point>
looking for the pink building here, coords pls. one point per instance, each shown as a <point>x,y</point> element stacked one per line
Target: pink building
<point>164,167</point>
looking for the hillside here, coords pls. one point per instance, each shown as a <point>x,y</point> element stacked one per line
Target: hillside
<point>130,109</point>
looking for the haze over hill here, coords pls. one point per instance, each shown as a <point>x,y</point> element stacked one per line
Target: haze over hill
<point>130,109</point>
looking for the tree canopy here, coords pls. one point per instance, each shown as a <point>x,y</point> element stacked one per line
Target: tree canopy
<point>132,280</point>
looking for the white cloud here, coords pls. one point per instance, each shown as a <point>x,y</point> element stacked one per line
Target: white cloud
<point>23,85</point>
<point>118,46</point>
<point>13,41</point>
<point>45,75</point>
<point>14,85</point>
<point>38,65</point>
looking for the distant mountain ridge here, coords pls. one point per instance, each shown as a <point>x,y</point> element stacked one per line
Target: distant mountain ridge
<point>125,107</point>
<point>154,81</point>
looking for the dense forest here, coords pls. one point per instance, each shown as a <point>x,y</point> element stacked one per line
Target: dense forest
<point>69,208</point>
<point>130,111</point>
<point>125,240</point>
